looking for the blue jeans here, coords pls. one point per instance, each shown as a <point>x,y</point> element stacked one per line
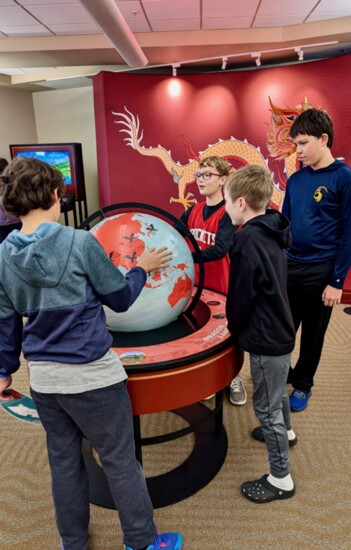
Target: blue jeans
<point>271,406</point>
<point>104,416</point>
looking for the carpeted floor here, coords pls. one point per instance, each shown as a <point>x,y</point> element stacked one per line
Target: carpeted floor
<point>217,517</point>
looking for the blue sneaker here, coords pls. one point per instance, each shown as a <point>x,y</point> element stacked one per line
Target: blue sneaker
<point>299,400</point>
<point>165,541</point>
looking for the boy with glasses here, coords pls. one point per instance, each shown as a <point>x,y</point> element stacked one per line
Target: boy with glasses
<point>213,231</point>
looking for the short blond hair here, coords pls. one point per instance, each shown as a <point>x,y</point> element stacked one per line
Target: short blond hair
<point>253,183</point>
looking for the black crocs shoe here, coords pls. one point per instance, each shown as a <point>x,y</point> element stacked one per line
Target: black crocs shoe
<point>258,435</point>
<point>261,491</point>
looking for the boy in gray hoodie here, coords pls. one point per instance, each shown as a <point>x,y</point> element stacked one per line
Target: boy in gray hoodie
<point>59,278</point>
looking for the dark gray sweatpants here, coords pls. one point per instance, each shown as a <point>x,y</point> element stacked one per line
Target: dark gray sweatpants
<point>104,416</point>
<point>271,406</point>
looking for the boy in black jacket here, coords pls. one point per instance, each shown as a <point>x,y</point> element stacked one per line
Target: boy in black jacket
<point>260,320</point>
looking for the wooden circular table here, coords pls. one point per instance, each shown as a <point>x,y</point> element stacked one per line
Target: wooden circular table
<point>191,359</point>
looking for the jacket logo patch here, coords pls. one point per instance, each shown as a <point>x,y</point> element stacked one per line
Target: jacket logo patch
<point>319,193</point>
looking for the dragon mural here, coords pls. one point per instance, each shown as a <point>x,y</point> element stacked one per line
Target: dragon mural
<point>279,145</point>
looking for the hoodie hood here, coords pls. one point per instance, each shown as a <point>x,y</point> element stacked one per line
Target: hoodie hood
<point>39,258</point>
<point>274,223</point>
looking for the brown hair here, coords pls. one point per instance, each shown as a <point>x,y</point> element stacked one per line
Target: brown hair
<point>253,183</point>
<point>313,122</point>
<point>221,165</point>
<point>27,184</point>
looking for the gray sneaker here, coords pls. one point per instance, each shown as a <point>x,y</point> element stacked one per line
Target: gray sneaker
<point>237,393</point>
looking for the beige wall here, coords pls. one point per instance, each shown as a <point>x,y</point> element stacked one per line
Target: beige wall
<point>52,117</point>
<point>68,116</point>
<point>17,119</point>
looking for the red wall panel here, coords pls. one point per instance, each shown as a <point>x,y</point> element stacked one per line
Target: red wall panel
<point>207,108</point>
<point>178,118</point>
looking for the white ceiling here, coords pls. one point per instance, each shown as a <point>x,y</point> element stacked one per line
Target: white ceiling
<point>44,43</point>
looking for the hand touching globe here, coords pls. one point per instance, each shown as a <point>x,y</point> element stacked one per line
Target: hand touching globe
<point>125,237</point>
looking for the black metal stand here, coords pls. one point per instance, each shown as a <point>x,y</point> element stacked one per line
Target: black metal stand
<point>68,204</point>
<point>84,201</point>
<point>201,466</point>
<point>347,310</point>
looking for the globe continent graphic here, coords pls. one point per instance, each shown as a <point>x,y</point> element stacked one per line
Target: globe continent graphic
<point>125,237</point>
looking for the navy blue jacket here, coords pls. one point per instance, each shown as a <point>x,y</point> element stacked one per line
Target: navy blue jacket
<point>318,205</point>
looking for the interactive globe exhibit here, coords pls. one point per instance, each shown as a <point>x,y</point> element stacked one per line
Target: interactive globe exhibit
<point>126,237</point>
<point>174,345</point>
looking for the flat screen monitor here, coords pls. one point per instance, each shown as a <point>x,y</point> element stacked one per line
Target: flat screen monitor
<point>66,157</point>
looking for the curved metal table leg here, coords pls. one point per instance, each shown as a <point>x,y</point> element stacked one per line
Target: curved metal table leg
<point>200,467</point>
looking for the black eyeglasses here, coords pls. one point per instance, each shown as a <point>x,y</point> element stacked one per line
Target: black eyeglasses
<point>205,175</point>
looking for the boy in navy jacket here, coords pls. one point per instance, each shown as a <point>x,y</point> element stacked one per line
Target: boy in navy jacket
<point>318,204</point>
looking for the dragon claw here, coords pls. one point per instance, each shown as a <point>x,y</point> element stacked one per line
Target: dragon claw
<point>185,201</point>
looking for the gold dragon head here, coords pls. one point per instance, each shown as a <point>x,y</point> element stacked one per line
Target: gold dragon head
<point>279,143</point>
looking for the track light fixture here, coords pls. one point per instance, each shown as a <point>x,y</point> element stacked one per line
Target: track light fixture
<point>257,57</point>
<point>299,50</point>
<point>299,53</point>
<point>175,66</point>
<point>174,70</point>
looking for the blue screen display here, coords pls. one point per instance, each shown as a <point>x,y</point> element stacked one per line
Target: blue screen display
<point>58,159</point>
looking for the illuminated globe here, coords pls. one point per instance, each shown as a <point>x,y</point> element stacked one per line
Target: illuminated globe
<point>166,293</point>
